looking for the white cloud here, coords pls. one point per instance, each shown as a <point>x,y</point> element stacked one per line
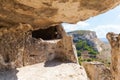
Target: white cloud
<point>119,15</point>
<point>69,27</point>
<point>102,30</point>
<point>73,27</point>
<point>82,23</point>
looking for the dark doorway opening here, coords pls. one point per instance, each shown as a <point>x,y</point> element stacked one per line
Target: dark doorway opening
<point>47,34</point>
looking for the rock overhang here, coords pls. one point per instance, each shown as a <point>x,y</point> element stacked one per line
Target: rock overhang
<point>42,13</point>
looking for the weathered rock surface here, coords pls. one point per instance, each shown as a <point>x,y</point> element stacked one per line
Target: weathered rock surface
<point>114,40</point>
<point>51,70</point>
<point>43,13</point>
<point>21,45</point>
<point>97,71</point>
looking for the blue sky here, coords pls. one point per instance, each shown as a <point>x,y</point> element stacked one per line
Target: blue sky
<point>101,24</point>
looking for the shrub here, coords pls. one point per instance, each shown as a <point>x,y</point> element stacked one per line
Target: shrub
<point>82,45</point>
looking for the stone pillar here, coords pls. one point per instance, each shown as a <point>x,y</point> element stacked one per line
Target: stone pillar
<point>114,40</point>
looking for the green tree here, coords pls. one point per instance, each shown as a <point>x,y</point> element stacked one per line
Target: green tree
<point>82,45</point>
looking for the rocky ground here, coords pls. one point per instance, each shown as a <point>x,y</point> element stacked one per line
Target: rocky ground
<point>52,70</point>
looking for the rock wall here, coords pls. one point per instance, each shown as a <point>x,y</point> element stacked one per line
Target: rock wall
<point>114,40</point>
<point>97,71</point>
<point>19,46</point>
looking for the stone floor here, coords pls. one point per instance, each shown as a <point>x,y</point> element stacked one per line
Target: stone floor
<point>52,70</point>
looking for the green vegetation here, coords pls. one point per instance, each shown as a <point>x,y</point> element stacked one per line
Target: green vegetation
<point>80,59</point>
<point>85,52</point>
<point>83,46</point>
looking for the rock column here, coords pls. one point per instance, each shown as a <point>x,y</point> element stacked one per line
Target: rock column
<point>114,40</point>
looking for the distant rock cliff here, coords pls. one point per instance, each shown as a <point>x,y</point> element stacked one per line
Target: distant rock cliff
<point>92,40</point>
<point>89,36</point>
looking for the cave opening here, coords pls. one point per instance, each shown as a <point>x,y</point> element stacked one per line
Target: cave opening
<point>50,33</point>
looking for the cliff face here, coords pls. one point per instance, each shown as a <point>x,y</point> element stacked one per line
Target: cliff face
<point>90,37</point>
<point>114,40</point>
<point>43,13</point>
<point>85,35</point>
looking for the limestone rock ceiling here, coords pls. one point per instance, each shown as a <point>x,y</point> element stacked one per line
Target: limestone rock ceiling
<point>43,13</point>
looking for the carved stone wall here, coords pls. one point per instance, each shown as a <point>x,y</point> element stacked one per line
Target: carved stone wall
<point>19,46</point>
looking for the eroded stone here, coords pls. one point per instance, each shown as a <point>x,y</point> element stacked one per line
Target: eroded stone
<point>21,45</point>
<point>114,40</point>
<point>97,71</point>
<point>43,13</point>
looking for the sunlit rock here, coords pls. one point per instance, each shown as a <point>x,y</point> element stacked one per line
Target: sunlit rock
<point>114,40</point>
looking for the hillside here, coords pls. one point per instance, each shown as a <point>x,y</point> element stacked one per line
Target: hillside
<point>98,47</point>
